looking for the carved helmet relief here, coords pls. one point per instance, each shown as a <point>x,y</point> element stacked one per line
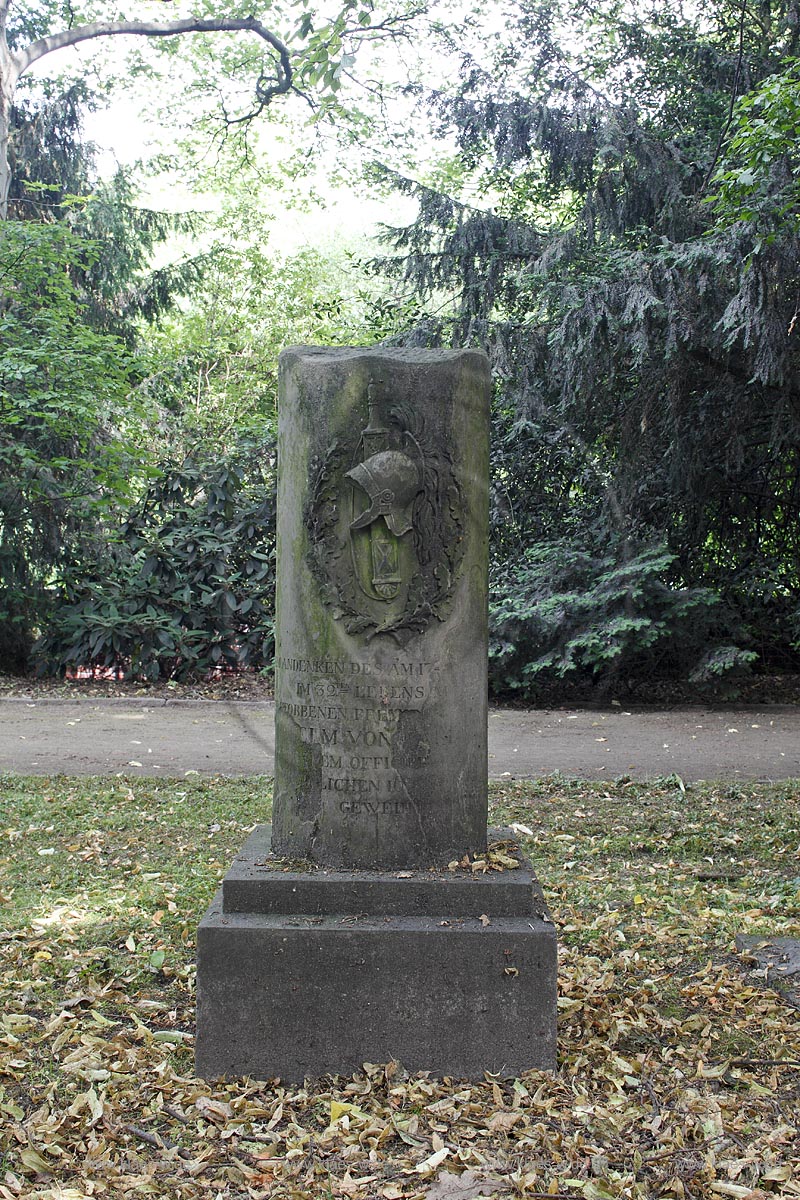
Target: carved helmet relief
<point>385,523</point>
<point>392,482</point>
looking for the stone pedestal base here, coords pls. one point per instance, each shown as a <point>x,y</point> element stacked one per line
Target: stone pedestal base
<point>304,973</point>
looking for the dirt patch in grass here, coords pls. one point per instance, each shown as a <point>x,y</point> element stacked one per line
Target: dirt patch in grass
<point>678,1072</point>
<point>245,685</point>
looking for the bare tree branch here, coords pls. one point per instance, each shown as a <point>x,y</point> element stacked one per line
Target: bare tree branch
<point>734,95</point>
<point>96,29</point>
<point>12,66</point>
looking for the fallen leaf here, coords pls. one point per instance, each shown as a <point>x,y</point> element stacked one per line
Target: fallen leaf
<point>339,1109</point>
<point>779,1174</point>
<point>429,1165</point>
<point>737,1190</point>
<point>214,1110</point>
<point>503,1121</point>
<point>466,1186</point>
<point>597,1189</point>
<point>33,1161</point>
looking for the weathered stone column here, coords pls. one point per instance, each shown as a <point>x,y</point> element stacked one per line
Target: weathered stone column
<point>317,954</point>
<point>381,655</point>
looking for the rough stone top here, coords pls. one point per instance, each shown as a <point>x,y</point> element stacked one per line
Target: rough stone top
<point>401,354</point>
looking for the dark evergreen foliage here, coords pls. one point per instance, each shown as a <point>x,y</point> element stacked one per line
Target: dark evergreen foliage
<point>647,364</point>
<point>121,286</point>
<point>48,159</point>
<point>53,179</point>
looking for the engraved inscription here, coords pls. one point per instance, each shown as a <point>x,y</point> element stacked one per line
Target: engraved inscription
<point>354,736</point>
<point>346,666</point>
<point>347,737</point>
<point>384,808</point>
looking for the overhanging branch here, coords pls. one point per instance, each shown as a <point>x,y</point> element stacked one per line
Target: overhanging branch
<point>97,29</point>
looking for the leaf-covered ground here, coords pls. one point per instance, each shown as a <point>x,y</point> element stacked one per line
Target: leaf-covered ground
<point>256,685</point>
<point>679,1065</point>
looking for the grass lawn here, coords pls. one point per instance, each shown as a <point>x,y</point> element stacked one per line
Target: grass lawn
<point>679,1064</point>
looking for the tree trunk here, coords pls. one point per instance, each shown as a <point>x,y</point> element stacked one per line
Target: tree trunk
<point>8,83</point>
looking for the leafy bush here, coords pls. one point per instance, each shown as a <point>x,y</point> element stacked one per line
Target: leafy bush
<point>65,452</point>
<point>189,585</point>
<point>560,611</point>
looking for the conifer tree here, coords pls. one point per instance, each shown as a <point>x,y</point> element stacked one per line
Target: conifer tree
<point>646,345</point>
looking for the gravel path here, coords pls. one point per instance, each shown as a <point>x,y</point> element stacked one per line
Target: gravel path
<point>142,737</point>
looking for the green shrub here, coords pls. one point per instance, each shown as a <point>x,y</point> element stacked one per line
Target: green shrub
<point>189,584</point>
<point>66,450</point>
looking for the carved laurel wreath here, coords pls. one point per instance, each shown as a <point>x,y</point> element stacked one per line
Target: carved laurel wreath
<point>437,532</point>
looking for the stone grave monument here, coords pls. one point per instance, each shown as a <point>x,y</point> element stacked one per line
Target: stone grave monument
<point>371,921</point>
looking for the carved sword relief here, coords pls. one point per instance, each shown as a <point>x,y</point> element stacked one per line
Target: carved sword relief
<point>390,482</point>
